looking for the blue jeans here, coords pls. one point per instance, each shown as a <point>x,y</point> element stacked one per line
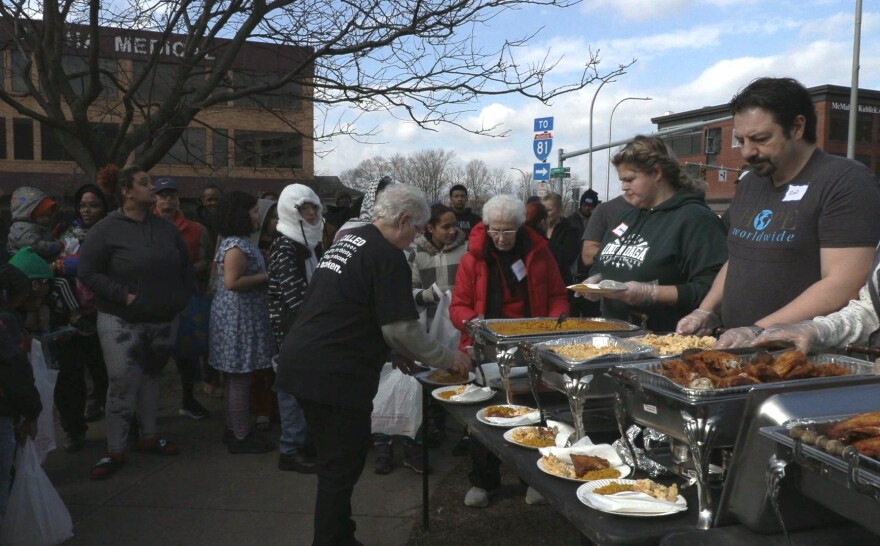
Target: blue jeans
<point>7,454</point>
<point>293,424</point>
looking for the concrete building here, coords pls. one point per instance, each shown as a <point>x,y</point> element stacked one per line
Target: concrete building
<point>258,143</point>
<point>711,152</point>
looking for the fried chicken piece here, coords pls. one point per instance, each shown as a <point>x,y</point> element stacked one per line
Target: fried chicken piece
<point>586,463</point>
<point>788,361</point>
<point>869,447</point>
<point>863,424</point>
<point>801,371</point>
<point>830,370</point>
<point>762,372</point>
<point>719,362</point>
<point>676,371</point>
<point>738,380</point>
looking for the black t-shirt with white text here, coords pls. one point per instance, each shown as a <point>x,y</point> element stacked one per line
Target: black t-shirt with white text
<point>335,349</point>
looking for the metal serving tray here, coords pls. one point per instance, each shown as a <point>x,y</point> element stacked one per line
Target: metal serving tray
<point>634,351</point>
<point>491,336</point>
<point>847,484</point>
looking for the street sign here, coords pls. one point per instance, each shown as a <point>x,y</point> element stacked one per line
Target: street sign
<point>543,124</point>
<point>722,175</point>
<point>560,172</point>
<point>541,171</point>
<point>541,145</point>
<point>542,189</point>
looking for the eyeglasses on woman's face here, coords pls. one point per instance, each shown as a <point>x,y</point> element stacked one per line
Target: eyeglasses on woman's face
<point>505,234</point>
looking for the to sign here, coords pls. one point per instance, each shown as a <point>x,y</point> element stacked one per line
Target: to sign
<point>560,172</point>
<point>541,146</point>
<point>543,124</point>
<point>541,171</point>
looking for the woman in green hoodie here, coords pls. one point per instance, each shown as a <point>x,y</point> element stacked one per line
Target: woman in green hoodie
<point>667,249</point>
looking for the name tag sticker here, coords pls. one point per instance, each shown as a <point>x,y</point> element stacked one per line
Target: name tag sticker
<point>650,409</point>
<point>620,230</point>
<point>519,269</point>
<point>795,193</point>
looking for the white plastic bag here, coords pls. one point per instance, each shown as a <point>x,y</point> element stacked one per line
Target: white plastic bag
<point>35,515</point>
<point>442,330</point>
<point>44,379</point>
<point>397,407</point>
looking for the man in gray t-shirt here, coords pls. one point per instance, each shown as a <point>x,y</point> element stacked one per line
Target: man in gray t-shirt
<point>599,224</point>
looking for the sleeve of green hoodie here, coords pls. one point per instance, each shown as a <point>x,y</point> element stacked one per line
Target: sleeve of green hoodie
<point>703,243</point>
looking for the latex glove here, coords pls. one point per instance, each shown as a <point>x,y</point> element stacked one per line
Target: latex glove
<point>803,334</point>
<point>698,323</point>
<point>590,280</point>
<point>637,294</point>
<point>461,363</point>
<point>738,337</point>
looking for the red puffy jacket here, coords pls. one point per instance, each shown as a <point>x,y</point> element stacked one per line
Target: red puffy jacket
<point>547,293</point>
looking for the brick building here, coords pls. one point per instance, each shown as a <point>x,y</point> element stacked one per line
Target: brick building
<point>711,152</point>
<point>258,143</point>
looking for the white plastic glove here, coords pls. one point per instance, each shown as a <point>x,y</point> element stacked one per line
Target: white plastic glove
<point>637,294</point>
<point>804,334</point>
<point>698,323</point>
<point>738,337</point>
<point>590,280</point>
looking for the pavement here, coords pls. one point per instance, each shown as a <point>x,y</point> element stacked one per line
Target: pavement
<point>207,496</point>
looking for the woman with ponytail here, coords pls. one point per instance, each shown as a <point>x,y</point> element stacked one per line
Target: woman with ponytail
<point>292,260</point>
<point>138,267</point>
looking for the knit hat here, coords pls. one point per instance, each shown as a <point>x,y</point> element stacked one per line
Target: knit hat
<point>45,207</point>
<point>590,197</point>
<point>28,262</point>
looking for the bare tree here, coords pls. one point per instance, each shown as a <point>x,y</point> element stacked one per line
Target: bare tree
<point>366,171</point>
<point>413,58</point>
<point>428,171</point>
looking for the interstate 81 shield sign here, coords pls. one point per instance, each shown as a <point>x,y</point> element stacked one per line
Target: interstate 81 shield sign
<point>541,145</point>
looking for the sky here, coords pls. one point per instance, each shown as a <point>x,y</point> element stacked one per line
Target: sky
<point>689,54</point>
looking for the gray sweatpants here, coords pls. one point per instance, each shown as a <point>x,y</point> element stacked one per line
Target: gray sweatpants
<point>135,354</point>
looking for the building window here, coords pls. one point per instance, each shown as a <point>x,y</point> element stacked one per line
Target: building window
<point>190,149</point>
<point>288,97</point>
<point>268,149</point>
<point>713,141</point>
<point>220,148</point>
<point>686,145</point>
<point>23,138</point>
<point>734,143</point>
<point>160,83</point>
<point>77,71</point>
<point>52,150</point>
<point>19,76</point>
<point>839,126</point>
<point>2,137</point>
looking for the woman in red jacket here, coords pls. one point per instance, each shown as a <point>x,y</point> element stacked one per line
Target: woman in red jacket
<point>508,272</point>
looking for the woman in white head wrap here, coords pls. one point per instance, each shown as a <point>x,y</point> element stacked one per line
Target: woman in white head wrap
<point>293,258</point>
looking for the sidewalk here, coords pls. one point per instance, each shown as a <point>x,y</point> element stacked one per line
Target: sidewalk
<point>207,496</point>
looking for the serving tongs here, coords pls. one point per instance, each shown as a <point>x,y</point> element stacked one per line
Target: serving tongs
<point>560,320</point>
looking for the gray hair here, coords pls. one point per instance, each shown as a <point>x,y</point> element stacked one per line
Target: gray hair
<point>506,207</point>
<point>399,199</point>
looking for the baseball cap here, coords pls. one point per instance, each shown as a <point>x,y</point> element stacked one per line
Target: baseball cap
<point>164,184</point>
<point>590,197</point>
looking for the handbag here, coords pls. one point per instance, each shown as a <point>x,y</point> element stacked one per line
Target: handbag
<point>35,515</point>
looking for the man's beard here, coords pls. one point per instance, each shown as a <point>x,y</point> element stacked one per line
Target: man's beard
<point>762,166</point>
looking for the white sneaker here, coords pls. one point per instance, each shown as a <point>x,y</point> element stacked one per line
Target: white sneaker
<point>477,497</point>
<point>533,497</point>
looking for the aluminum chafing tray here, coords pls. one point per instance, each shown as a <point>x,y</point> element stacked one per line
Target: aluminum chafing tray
<point>847,484</point>
<point>493,337</point>
<point>634,351</point>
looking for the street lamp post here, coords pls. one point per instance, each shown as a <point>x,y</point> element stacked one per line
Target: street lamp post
<point>593,103</point>
<point>525,183</point>
<point>610,121</point>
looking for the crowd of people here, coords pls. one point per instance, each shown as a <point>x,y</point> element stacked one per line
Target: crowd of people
<point>290,311</point>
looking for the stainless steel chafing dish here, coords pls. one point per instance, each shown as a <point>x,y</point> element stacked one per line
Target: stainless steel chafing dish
<point>490,345</point>
<point>578,374</point>
<point>704,419</point>
<point>847,484</point>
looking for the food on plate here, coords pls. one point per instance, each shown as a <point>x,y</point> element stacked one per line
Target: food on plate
<point>543,326</point>
<point>614,488</point>
<point>562,469</point>
<point>719,370</point>
<point>656,490</point>
<point>863,425</point>
<point>446,376</point>
<point>583,351</point>
<point>585,463</point>
<point>506,412</point>
<point>674,344</point>
<point>534,436</point>
<point>449,393</point>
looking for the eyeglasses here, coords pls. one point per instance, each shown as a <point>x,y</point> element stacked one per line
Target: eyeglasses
<point>506,234</point>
